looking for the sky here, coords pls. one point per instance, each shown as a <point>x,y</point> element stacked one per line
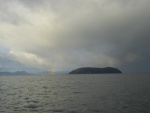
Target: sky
<point>58,35</point>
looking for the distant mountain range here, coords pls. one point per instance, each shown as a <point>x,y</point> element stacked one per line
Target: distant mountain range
<point>15,73</point>
<point>40,73</point>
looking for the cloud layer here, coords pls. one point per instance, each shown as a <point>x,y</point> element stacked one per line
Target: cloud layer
<point>68,34</point>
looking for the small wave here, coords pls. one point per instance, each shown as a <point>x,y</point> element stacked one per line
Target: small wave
<point>56,110</point>
<point>76,92</point>
<point>32,106</point>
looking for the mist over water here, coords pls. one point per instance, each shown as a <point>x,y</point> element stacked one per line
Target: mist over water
<point>115,93</point>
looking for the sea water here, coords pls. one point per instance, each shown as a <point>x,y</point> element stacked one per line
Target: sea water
<point>99,93</point>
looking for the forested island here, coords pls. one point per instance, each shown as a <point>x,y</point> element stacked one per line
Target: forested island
<point>95,70</point>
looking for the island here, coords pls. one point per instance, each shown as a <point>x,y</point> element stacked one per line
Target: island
<point>95,70</point>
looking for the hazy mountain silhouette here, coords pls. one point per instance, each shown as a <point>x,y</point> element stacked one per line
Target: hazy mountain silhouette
<point>15,73</point>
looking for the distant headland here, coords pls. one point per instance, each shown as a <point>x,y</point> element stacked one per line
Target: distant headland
<point>95,70</point>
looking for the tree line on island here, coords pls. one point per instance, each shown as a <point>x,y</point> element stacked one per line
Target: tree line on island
<point>95,70</point>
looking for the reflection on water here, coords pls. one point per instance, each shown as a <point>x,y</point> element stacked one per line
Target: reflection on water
<point>75,94</point>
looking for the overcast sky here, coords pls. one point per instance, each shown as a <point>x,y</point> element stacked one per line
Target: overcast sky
<point>38,35</point>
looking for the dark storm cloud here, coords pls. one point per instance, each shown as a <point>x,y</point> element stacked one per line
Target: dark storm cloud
<point>69,34</point>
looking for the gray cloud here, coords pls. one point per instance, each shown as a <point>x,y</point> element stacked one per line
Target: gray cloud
<point>69,34</point>
<point>12,66</point>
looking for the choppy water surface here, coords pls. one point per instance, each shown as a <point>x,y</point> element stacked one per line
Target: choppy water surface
<point>75,94</point>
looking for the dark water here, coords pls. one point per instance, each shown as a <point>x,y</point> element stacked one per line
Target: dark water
<point>75,94</point>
